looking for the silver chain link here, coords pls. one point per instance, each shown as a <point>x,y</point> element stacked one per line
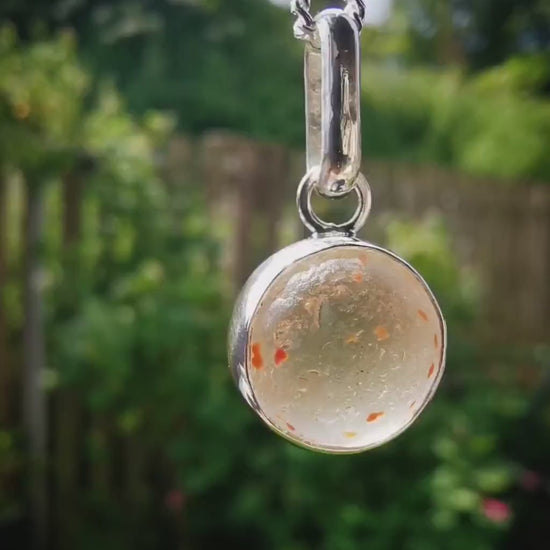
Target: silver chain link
<point>304,27</point>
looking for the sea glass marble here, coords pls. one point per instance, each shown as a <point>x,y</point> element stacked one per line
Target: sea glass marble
<point>342,346</point>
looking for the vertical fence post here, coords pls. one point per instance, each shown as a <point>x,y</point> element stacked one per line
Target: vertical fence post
<point>34,396</point>
<point>67,413</point>
<point>5,369</point>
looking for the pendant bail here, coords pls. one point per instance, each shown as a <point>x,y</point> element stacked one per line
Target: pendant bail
<point>333,103</point>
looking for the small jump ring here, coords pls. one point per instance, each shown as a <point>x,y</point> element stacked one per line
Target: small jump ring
<point>315,224</point>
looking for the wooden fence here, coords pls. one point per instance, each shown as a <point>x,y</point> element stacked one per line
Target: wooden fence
<point>501,229</point>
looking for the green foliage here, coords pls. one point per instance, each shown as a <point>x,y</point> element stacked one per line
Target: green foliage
<point>483,126</point>
<point>473,32</point>
<point>10,466</point>
<point>41,95</point>
<point>526,75</point>
<point>221,64</point>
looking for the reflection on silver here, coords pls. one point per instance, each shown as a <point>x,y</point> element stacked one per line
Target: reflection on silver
<point>304,26</point>
<point>318,226</point>
<point>333,108</point>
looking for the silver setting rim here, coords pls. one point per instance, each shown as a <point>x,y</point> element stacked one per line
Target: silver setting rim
<point>250,299</point>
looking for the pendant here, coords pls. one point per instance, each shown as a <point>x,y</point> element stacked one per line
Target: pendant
<point>336,343</point>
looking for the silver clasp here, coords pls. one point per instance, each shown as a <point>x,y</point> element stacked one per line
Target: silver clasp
<point>333,103</point>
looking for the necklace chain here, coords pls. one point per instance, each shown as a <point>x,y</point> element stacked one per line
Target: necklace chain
<point>304,26</point>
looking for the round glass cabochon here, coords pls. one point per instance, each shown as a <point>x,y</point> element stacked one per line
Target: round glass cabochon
<point>345,348</point>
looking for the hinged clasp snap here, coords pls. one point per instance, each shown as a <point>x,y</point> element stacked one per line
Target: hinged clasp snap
<point>333,103</point>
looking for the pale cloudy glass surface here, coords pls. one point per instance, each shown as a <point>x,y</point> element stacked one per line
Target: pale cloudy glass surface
<point>345,349</point>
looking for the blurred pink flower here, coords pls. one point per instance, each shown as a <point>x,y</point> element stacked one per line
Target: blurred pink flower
<point>174,501</point>
<point>530,481</point>
<point>496,510</point>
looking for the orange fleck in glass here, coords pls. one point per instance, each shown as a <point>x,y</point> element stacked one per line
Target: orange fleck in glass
<point>381,333</point>
<point>257,361</point>
<point>373,417</point>
<point>280,356</point>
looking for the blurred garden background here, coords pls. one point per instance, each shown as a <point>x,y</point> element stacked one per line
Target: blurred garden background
<point>149,155</point>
